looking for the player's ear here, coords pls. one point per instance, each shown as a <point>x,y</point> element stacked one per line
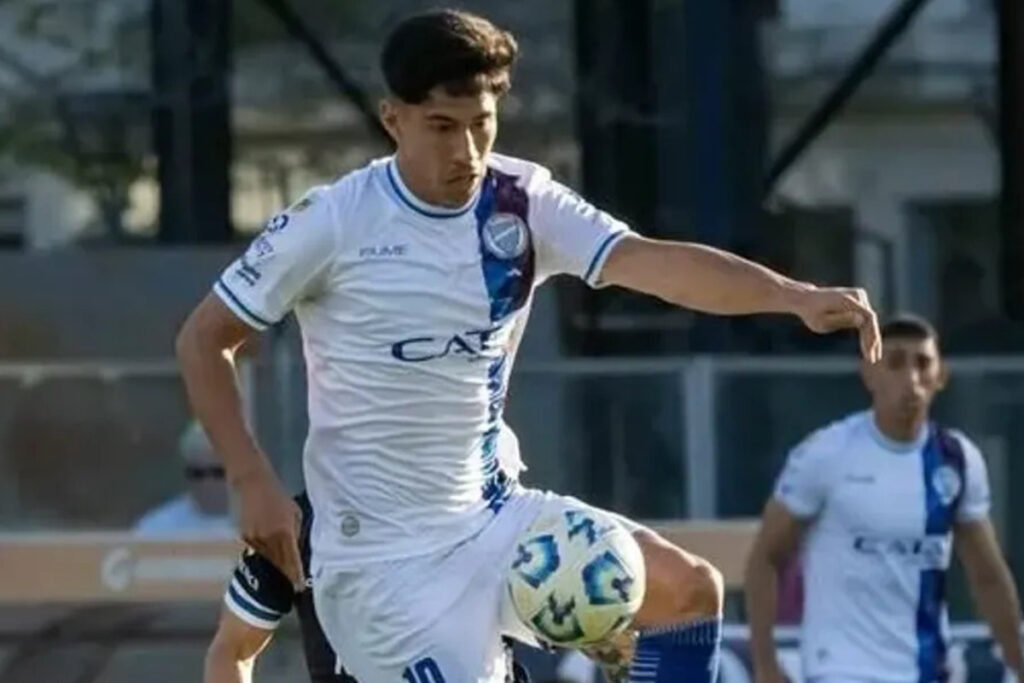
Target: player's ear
<point>388,113</point>
<point>943,375</point>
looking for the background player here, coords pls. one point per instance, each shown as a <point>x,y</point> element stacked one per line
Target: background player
<point>879,500</point>
<point>411,279</point>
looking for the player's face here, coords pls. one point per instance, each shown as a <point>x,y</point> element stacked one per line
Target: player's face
<point>443,143</point>
<point>907,379</point>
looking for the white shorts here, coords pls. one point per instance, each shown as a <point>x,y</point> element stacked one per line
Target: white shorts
<point>436,618</point>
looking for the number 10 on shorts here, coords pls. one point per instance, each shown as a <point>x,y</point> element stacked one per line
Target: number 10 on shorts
<point>423,671</point>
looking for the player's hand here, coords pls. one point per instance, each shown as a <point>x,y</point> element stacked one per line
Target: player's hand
<point>269,523</point>
<point>830,309</point>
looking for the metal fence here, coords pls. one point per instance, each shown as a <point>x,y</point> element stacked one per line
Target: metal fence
<point>696,437</point>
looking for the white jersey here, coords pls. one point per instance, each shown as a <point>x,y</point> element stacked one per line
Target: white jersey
<point>410,315</point>
<point>880,543</point>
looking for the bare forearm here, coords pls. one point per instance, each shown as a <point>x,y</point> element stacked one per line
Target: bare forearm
<point>222,668</point>
<point>216,403</point>
<point>702,278</point>
<point>997,601</point>
<point>761,591</point>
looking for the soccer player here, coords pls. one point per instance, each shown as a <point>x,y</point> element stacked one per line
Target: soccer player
<point>411,279</point>
<point>256,600</point>
<point>879,500</point>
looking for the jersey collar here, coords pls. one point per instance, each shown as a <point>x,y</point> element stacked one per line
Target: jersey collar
<point>411,201</point>
<point>892,445</point>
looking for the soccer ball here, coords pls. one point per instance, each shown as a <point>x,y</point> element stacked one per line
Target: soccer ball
<point>576,578</point>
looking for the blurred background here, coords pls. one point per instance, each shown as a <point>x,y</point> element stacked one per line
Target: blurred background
<point>144,142</point>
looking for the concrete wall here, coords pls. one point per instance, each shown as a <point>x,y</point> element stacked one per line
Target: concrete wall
<point>121,303</point>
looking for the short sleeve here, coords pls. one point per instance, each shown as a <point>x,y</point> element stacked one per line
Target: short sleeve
<point>259,594</point>
<point>803,485</point>
<point>975,502</point>
<point>285,264</point>
<point>572,236</point>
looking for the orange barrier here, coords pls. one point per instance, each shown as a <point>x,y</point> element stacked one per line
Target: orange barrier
<point>118,567</point>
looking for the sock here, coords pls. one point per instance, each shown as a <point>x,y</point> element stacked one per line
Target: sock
<point>681,653</point>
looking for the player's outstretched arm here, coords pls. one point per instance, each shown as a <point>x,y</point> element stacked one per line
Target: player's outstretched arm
<point>269,519</point>
<point>776,541</point>
<point>233,651</point>
<point>714,281</point>
<point>992,587</point>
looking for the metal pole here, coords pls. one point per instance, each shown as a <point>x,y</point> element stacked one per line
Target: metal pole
<point>887,34</point>
<point>697,383</point>
<point>297,27</point>
<point>1011,137</point>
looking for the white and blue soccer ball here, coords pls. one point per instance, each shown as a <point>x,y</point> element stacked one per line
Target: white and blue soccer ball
<point>576,577</point>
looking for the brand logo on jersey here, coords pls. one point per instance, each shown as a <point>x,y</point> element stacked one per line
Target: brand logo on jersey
<point>946,482</point>
<point>383,251</point>
<point>471,345</point>
<point>505,235</point>
<point>927,551</point>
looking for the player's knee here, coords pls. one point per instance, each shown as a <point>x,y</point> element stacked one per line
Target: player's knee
<point>680,586</point>
<point>703,593</point>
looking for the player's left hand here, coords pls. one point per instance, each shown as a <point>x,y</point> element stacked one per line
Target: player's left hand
<point>830,309</point>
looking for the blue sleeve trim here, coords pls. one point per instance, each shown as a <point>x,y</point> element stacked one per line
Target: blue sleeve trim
<point>253,319</point>
<point>599,256</point>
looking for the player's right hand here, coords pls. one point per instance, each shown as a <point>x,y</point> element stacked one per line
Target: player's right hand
<point>829,309</point>
<point>269,523</point>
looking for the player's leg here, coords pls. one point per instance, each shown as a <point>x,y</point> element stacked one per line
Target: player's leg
<point>409,631</point>
<point>675,635</point>
<point>679,623</point>
<point>676,631</point>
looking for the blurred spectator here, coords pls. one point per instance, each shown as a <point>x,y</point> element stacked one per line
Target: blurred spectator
<point>203,509</point>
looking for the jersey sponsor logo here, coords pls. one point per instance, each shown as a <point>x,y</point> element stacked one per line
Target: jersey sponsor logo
<point>505,236</point>
<point>383,251</point>
<point>947,484</point>
<point>929,552</point>
<point>471,345</point>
